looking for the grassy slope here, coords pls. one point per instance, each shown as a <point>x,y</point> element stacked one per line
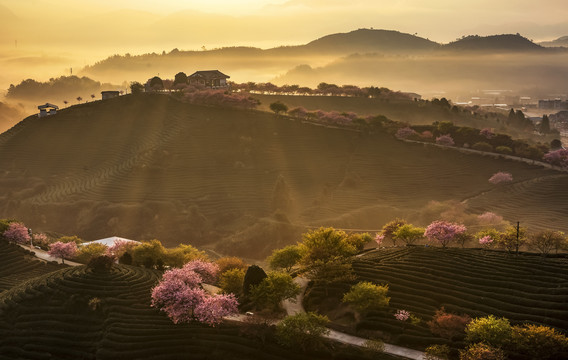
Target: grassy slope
<point>151,167</point>
<point>49,317</point>
<point>421,280</point>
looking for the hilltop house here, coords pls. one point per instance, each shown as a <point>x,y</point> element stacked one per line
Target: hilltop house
<point>47,109</point>
<point>210,78</point>
<point>110,94</point>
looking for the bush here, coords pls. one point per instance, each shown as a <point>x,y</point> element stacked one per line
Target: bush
<point>482,146</point>
<point>229,263</point>
<point>447,325</point>
<point>482,352</point>
<point>436,352</point>
<point>278,107</point>
<point>539,342</point>
<point>101,264</point>
<point>366,296</point>
<point>303,330</point>
<point>231,281</point>
<point>505,150</point>
<point>273,289</point>
<point>88,252</point>
<point>489,330</point>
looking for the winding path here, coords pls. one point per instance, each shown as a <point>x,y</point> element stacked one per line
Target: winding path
<point>296,307</point>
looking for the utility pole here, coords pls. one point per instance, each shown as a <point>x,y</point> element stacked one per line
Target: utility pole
<point>517,244</point>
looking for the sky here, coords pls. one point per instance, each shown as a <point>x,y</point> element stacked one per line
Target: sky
<point>53,36</point>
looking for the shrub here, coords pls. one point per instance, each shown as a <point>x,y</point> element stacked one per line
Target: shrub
<point>437,352</point>
<point>231,281</point>
<point>366,296</point>
<point>303,330</point>
<point>273,289</point>
<point>278,107</point>
<point>448,326</point>
<point>101,264</point>
<point>505,150</point>
<point>88,252</point>
<point>482,352</point>
<point>539,342</point>
<point>482,146</point>
<point>489,330</point>
<point>408,233</point>
<point>229,263</point>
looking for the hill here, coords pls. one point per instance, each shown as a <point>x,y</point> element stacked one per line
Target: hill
<point>77,313</point>
<point>240,182</point>
<point>365,41</point>
<point>561,41</point>
<point>464,281</point>
<point>494,43</point>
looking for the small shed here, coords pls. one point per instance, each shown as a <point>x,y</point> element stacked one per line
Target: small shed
<point>47,109</point>
<point>209,78</point>
<point>109,94</point>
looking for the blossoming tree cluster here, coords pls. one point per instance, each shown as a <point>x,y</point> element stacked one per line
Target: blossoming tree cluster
<point>17,233</point>
<point>501,177</point>
<point>443,232</point>
<point>182,298</point>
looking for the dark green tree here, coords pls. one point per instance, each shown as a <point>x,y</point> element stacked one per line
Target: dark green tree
<point>545,125</point>
<point>253,277</point>
<point>136,87</point>
<point>278,107</point>
<point>180,78</point>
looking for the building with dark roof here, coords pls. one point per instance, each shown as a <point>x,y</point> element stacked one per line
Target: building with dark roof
<point>209,78</point>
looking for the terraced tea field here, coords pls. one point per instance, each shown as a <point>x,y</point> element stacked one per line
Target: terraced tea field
<point>76,313</point>
<point>465,281</point>
<point>18,265</point>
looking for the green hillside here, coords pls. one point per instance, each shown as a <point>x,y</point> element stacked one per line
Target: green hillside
<point>242,182</point>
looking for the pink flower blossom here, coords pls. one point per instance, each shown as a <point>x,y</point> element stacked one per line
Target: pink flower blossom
<point>501,177</point>
<point>445,140</point>
<point>489,218</point>
<point>63,250</point>
<point>120,247</point>
<point>379,239</point>
<point>402,315</point>
<point>557,157</point>
<point>213,308</point>
<point>405,133</point>
<point>443,232</point>
<point>208,271</point>
<point>486,241</point>
<point>17,233</point>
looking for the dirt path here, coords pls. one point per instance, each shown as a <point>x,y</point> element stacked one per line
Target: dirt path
<point>41,254</point>
<point>296,307</point>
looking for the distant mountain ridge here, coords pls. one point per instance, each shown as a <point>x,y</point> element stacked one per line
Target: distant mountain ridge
<point>498,43</point>
<point>561,41</point>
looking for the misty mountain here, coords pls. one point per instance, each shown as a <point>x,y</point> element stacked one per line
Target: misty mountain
<point>366,41</point>
<point>561,41</point>
<point>494,43</point>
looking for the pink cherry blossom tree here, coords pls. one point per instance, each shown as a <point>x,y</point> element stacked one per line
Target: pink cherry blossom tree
<point>63,250</point>
<point>501,177</point>
<point>17,233</point>
<point>557,157</point>
<point>180,295</point>
<point>379,239</point>
<point>120,247</point>
<point>405,133</point>
<point>443,232</point>
<point>445,140</point>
